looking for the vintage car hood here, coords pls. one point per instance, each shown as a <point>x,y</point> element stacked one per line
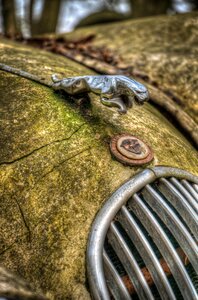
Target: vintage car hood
<point>161,51</point>
<point>56,169</point>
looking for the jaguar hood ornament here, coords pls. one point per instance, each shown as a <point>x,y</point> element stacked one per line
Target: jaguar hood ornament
<point>114,90</point>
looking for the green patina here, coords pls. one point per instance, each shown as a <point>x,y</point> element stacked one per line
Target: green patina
<point>162,48</point>
<point>56,170</point>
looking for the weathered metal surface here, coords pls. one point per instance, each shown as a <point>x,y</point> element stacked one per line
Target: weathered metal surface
<point>160,50</point>
<point>128,216</point>
<point>55,168</point>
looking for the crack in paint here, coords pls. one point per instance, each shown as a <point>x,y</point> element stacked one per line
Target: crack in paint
<point>41,147</point>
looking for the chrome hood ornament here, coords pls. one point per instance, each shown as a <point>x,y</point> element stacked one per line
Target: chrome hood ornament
<point>114,90</point>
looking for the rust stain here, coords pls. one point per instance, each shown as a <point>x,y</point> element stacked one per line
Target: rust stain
<point>130,150</point>
<point>147,274</point>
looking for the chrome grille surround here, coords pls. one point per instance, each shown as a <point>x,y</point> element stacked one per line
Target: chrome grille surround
<point>174,202</point>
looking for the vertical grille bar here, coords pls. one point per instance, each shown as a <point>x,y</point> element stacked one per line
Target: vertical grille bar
<point>114,282</point>
<point>129,262</point>
<point>167,215</point>
<point>167,250</point>
<point>180,204</point>
<point>147,253</point>
<point>185,193</point>
<point>190,188</point>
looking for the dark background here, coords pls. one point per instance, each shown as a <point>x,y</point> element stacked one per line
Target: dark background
<point>27,18</point>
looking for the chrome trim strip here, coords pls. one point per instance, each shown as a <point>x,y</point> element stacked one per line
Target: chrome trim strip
<point>167,215</point>
<point>115,283</point>
<point>104,217</point>
<point>147,253</point>
<point>163,243</point>
<point>185,193</point>
<point>174,172</point>
<point>129,263</point>
<point>180,204</point>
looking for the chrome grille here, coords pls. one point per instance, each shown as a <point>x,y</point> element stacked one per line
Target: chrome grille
<point>144,240</point>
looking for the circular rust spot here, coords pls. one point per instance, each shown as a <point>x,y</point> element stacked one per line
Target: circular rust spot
<point>130,150</point>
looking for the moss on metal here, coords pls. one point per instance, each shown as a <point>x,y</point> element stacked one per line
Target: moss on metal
<point>162,49</point>
<point>56,169</point>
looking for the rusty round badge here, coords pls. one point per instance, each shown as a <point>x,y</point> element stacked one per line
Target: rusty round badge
<point>130,150</point>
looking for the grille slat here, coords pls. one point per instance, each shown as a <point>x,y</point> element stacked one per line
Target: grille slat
<point>180,204</point>
<point>163,243</point>
<point>185,193</point>
<point>129,262</point>
<point>167,215</point>
<point>143,242</point>
<point>195,187</point>
<point>190,188</point>
<point>146,251</point>
<point>114,282</point>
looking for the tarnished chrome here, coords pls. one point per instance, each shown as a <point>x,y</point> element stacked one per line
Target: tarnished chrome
<point>145,200</point>
<point>129,261</point>
<point>195,187</point>
<point>174,172</point>
<point>115,283</point>
<point>173,223</point>
<point>99,229</point>
<point>181,204</point>
<point>164,245</point>
<point>111,89</point>
<point>146,251</point>
<point>185,193</point>
<point>190,189</point>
